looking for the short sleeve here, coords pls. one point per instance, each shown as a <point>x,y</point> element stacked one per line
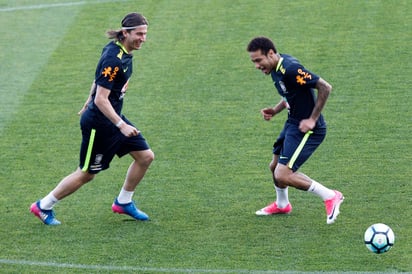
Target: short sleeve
<point>107,72</point>
<point>300,77</point>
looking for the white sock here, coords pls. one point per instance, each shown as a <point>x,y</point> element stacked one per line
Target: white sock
<point>282,197</point>
<point>125,197</point>
<point>48,202</point>
<point>320,190</point>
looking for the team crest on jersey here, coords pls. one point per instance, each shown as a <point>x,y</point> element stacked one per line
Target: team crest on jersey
<point>283,87</point>
<point>109,72</point>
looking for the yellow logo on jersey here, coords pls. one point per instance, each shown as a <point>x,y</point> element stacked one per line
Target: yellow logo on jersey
<point>120,55</point>
<point>282,69</point>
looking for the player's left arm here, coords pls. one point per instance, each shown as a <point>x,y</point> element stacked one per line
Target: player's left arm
<point>88,100</point>
<point>324,89</point>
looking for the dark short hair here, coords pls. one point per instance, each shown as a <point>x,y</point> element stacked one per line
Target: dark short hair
<point>261,43</point>
<point>134,19</point>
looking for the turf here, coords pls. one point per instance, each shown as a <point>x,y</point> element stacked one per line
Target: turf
<point>196,97</point>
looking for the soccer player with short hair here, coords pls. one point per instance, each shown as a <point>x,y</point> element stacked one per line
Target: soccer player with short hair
<point>106,132</point>
<point>304,129</point>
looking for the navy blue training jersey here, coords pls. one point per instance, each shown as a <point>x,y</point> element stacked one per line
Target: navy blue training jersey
<point>113,71</point>
<point>296,86</point>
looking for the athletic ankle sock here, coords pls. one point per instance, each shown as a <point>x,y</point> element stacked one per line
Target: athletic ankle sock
<point>282,197</point>
<point>320,190</point>
<point>125,197</point>
<point>48,202</point>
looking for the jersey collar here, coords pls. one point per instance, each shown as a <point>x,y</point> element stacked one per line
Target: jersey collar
<point>122,47</point>
<point>279,63</point>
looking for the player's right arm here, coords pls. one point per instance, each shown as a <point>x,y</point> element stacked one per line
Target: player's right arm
<point>103,103</point>
<point>269,113</point>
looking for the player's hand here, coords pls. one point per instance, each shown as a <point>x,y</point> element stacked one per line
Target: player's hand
<point>125,87</point>
<point>267,113</point>
<point>306,125</point>
<point>128,130</point>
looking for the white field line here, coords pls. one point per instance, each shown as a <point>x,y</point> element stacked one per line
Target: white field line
<point>130,268</point>
<point>162,269</point>
<point>54,5</point>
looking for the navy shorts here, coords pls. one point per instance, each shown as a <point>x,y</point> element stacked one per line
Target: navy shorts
<point>294,147</point>
<point>100,145</point>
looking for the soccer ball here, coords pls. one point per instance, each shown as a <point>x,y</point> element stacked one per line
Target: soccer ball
<point>379,238</point>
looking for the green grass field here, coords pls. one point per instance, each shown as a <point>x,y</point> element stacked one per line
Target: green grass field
<point>196,97</point>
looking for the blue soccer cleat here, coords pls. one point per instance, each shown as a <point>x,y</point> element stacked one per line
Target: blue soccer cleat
<point>46,216</point>
<point>129,209</point>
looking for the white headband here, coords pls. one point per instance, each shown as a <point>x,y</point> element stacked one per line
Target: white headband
<point>127,28</point>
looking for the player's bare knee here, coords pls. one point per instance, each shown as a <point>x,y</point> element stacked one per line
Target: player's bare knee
<point>280,180</point>
<point>147,158</point>
<point>272,167</point>
<point>150,156</point>
<point>281,175</point>
<point>86,176</point>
